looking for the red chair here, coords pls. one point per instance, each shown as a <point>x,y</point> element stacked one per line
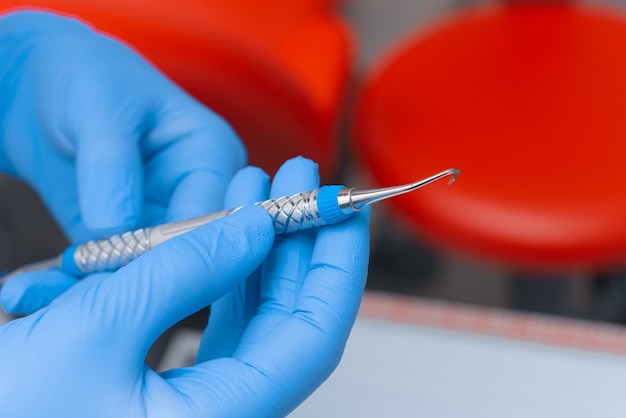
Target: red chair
<point>276,70</point>
<point>528,100</point>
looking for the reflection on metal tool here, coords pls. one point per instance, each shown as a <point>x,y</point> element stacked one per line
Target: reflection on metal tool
<point>324,206</point>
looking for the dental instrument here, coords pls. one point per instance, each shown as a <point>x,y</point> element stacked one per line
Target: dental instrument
<point>326,205</point>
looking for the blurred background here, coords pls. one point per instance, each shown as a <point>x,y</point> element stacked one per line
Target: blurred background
<point>524,97</point>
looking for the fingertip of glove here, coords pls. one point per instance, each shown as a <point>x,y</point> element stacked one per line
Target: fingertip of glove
<point>295,175</point>
<point>298,164</point>
<point>252,172</point>
<point>250,184</point>
<point>250,177</point>
<point>230,248</point>
<point>31,291</point>
<point>12,298</point>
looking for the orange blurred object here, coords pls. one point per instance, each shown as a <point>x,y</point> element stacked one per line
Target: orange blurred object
<point>528,100</point>
<point>276,70</point>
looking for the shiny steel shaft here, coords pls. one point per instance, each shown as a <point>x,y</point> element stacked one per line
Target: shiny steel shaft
<point>351,200</point>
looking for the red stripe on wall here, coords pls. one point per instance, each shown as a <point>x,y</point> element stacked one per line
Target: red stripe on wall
<point>587,335</point>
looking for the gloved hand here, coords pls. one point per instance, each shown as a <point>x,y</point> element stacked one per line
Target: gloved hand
<point>291,319</point>
<point>82,356</point>
<point>108,142</point>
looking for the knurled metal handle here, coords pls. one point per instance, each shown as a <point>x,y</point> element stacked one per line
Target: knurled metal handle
<point>113,252</point>
<point>289,214</point>
<point>294,213</point>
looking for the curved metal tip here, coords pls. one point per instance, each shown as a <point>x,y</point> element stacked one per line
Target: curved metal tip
<point>361,198</point>
<point>454,172</point>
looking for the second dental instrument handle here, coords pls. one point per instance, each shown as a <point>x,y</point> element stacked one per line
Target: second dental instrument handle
<point>323,206</point>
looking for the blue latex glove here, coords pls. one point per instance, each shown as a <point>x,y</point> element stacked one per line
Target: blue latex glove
<point>108,142</point>
<point>291,319</point>
<point>82,355</point>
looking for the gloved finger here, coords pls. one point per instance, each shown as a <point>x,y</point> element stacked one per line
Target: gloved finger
<point>194,154</point>
<point>323,316</point>
<point>30,291</point>
<point>110,178</point>
<point>230,314</point>
<point>288,263</point>
<point>60,195</point>
<point>330,297</point>
<point>283,368</point>
<point>106,134</point>
<point>133,306</point>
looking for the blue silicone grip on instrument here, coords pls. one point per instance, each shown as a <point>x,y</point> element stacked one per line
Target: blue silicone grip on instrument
<point>328,206</point>
<point>69,265</point>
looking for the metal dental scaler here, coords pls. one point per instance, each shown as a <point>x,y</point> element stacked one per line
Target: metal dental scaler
<point>326,205</point>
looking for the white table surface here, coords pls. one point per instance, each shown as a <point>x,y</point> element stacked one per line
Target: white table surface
<point>403,369</point>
